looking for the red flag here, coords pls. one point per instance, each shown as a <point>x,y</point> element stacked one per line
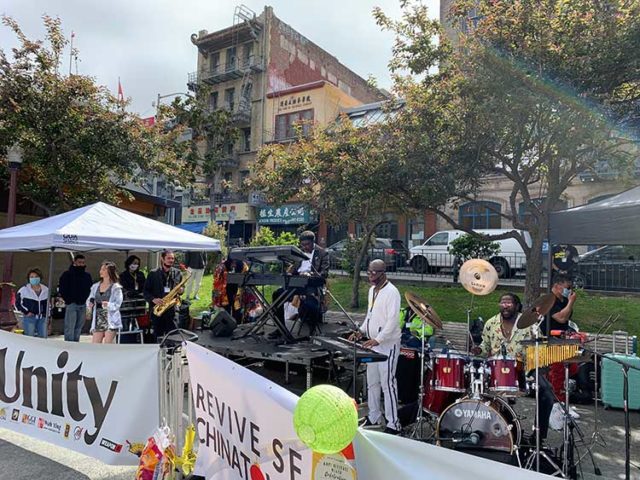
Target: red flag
<point>120,92</point>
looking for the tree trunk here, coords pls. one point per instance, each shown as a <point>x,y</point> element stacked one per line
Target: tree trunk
<point>534,267</point>
<point>355,286</point>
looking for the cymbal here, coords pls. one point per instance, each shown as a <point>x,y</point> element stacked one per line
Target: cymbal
<point>528,318</point>
<point>423,310</point>
<point>478,276</point>
<point>544,303</point>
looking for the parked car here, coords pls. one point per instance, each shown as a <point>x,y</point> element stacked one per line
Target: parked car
<point>434,255</point>
<point>613,267</point>
<point>394,253</point>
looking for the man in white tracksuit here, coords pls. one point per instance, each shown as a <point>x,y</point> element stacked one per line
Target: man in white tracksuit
<point>382,328</point>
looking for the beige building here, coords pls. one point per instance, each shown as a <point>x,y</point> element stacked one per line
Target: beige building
<point>270,77</point>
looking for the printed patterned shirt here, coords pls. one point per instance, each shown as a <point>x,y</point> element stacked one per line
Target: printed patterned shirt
<point>492,338</point>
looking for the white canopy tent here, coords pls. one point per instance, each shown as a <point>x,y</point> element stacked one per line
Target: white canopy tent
<point>101,227</point>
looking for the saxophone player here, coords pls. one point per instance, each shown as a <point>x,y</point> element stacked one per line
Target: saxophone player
<point>158,284</point>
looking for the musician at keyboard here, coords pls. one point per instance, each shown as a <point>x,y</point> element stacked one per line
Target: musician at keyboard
<point>311,299</point>
<point>382,327</point>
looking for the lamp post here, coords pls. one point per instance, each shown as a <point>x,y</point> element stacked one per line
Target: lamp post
<point>14,159</point>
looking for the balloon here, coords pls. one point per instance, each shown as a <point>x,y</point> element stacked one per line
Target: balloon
<point>325,419</point>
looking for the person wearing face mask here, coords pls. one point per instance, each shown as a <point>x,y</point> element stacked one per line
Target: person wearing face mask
<point>31,300</point>
<point>382,328</point>
<point>75,285</point>
<point>559,317</point>
<point>562,310</point>
<point>132,279</point>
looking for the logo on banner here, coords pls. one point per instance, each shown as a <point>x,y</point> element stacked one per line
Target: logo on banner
<point>3,413</point>
<point>15,415</point>
<point>77,433</point>
<point>67,430</point>
<point>28,419</point>
<point>68,379</point>
<point>40,423</point>
<point>109,445</point>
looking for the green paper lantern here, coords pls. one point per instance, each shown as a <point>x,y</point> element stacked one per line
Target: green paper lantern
<point>325,419</point>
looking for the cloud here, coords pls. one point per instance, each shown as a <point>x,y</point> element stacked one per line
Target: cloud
<point>146,42</point>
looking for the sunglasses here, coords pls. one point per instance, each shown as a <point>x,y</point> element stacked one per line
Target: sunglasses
<point>373,272</point>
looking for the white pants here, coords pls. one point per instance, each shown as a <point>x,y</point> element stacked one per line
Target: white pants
<point>194,282</point>
<point>382,376</point>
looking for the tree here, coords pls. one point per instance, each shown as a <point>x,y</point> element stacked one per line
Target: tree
<point>540,91</point>
<point>339,172</point>
<point>213,134</point>
<point>79,144</point>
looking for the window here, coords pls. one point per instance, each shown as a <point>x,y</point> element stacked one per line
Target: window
<point>247,55</point>
<point>231,58</point>
<point>228,147</point>
<point>213,101</point>
<point>229,95</point>
<point>246,139</point>
<point>286,124</point>
<point>438,239</point>
<point>480,215</point>
<point>214,61</point>
<point>526,217</point>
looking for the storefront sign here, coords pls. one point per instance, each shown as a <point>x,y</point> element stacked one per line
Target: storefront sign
<point>294,102</point>
<point>202,213</point>
<point>284,215</point>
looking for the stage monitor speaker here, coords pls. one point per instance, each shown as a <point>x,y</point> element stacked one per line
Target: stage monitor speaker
<point>222,324</point>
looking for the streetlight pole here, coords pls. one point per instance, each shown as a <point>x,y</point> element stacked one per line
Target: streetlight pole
<point>14,158</point>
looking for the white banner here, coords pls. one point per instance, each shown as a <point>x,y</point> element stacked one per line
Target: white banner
<point>245,429</point>
<point>244,423</point>
<point>89,398</point>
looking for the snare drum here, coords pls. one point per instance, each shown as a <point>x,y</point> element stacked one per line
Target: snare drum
<point>449,373</point>
<point>503,375</point>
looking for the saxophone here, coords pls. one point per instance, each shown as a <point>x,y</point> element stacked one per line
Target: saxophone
<point>171,299</point>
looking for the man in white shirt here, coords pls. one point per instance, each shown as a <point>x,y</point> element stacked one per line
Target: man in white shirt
<point>382,328</point>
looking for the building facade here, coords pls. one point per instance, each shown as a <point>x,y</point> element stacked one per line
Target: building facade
<point>271,78</point>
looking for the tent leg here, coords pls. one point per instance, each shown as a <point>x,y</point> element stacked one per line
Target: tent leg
<point>51,286</point>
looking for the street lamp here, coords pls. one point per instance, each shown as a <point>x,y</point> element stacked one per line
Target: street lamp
<point>14,159</point>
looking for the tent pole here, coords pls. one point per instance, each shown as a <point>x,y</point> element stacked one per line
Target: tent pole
<point>51,286</point>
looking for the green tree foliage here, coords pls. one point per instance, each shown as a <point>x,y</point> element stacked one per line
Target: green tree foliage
<point>79,144</point>
<point>534,92</point>
<point>217,232</point>
<point>473,246</point>
<point>265,237</point>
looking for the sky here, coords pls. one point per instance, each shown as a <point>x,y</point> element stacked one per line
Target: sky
<point>146,43</point>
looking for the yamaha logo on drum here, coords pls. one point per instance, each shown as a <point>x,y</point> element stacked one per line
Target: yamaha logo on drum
<point>458,413</point>
<point>476,414</point>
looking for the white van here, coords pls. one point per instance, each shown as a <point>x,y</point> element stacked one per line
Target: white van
<point>433,254</point>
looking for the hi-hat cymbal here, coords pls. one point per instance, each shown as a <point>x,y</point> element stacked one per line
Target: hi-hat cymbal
<point>423,310</point>
<point>478,276</point>
<point>544,303</point>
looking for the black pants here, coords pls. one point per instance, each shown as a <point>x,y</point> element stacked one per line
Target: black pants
<point>163,324</point>
<point>310,309</point>
<point>546,400</point>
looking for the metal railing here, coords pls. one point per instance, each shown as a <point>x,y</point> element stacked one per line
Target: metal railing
<point>511,268</point>
<point>226,71</point>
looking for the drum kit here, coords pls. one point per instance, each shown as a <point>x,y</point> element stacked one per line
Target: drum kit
<point>465,400</point>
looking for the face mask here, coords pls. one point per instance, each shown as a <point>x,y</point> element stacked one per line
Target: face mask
<point>133,267</point>
<point>34,281</point>
<point>566,292</point>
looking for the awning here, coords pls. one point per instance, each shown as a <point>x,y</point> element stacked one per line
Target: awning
<point>195,227</point>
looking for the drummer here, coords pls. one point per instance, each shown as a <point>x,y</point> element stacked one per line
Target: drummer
<point>501,336</point>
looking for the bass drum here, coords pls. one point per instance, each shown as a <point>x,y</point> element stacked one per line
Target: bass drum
<point>488,423</point>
